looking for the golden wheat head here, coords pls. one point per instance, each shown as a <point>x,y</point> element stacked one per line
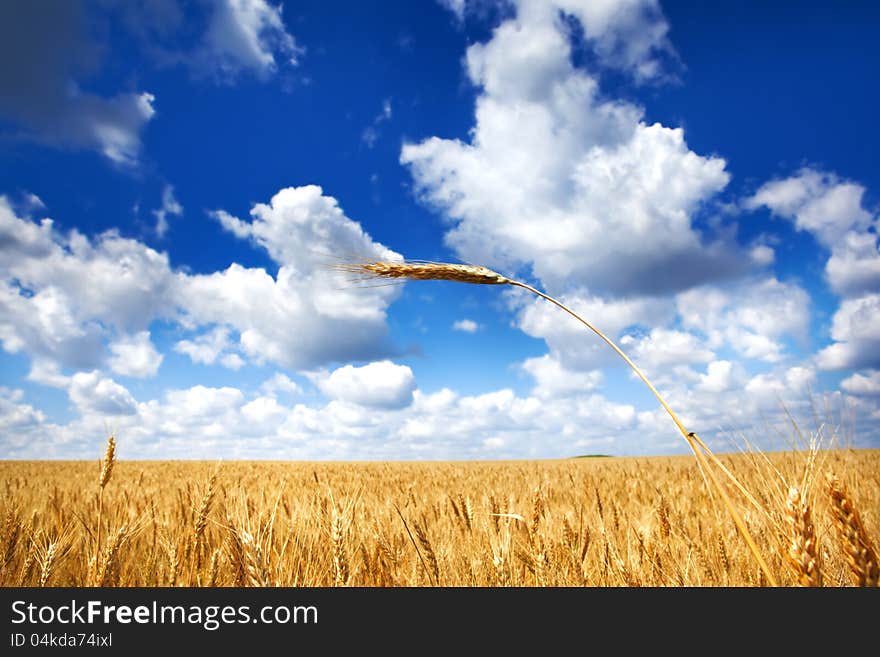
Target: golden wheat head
<point>107,463</point>
<point>425,271</point>
<point>857,547</point>
<point>802,554</point>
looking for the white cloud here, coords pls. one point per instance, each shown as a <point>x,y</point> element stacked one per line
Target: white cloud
<point>558,179</point>
<point>205,422</point>
<point>832,210</point>
<point>751,316</point>
<point>863,384</point>
<point>493,443</point>
<point>769,389</point>
<point>457,7</point>
<point>280,383</point>
<point>208,347</point>
<point>48,373</point>
<point>626,34</point>
<point>63,297</point>
<point>855,329</point>
<point>93,392</point>
<point>721,375</point>
<point>135,355</point>
<point>762,255</point>
<point>33,202</point>
<point>59,296</point>
<point>572,343</point>
<point>205,401</point>
<point>854,265</point>
<point>663,347</point>
<point>382,384</point>
<point>170,206</point>
<point>16,416</point>
<point>466,326</point>
<point>552,379</point>
<point>264,411</point>
<point>371,134</point>
<point>818,202</point>
<point>232,361</point>
<point>302,228</point>
<point>246,35</point>
<point>309,314</point>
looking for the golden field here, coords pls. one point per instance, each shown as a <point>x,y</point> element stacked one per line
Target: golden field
<point>577,522</point>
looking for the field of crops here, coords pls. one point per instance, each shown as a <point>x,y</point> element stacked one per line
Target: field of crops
<point>577,522</point>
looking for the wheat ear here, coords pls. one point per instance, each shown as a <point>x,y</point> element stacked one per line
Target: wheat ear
<point>103,479</point>
<point>860,553</point>
<point>802,554</point>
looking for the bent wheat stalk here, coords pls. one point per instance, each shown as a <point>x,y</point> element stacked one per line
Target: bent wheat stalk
<point>474,274</point>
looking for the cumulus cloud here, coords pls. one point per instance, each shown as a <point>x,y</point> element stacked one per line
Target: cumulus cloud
<point>64,297</point>
<point>750,316</point>
<point>45,53</point>
<point>855,329</point>
<point>721,375</point>
<point>398,421</point>
<point>552,170</point>
<point>170,206</point>
<point>629,35</point>
<point>370,135</point>
<point>831,210</point>
<point>307,315</point>
<point>867,384</point>
<point>207,348</point>
<point>59,296</point>
<point>16,416</point>
<point>769,389</point>
<point>382,384</point>
<point>465,326</point>
<point>571,343</point>
<point>93,392</point>
<point>245,35</point>
<point>280,383</point>
<point>817,202</point>
<point>135,356</point>
<point>457,7</point>
<point>552,379</point>
<point>662,347</point>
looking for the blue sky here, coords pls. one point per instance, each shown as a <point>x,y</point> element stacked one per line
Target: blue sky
<point>699,181</point>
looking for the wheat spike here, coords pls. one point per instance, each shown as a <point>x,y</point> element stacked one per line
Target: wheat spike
<point>430,557</point>
<point>663,518</point>
<point>340,556</point>
<point>254,560</point>
<point>173,565</point>
<point>205,509</point>
<point>857,548</point>
<point>109,568</point>
<point>47,563</point>
<point>11,534</point>
<point>107,463</point>
<point>425,271</point>
<point>802,554</point>
<point>214,568</point>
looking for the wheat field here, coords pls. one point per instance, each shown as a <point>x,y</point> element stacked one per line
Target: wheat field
<point>576,522</point>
